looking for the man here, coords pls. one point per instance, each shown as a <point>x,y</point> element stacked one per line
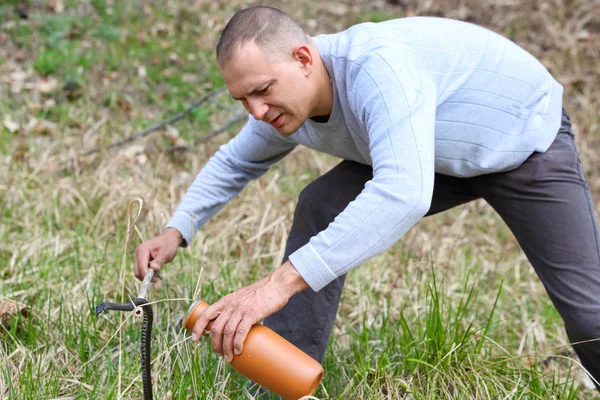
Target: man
<point>426,114</point>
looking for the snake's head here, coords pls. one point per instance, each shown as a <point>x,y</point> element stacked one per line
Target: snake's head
<point>100,309</point>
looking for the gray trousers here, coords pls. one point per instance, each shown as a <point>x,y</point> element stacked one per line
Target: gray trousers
<point>545,202</point>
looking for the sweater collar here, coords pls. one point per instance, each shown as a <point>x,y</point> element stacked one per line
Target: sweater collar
<point>323,45</point>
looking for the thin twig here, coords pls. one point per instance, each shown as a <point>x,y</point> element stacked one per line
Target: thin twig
<point>565,353</point>
<point>160,125</point>
<point>537,353</point>
<point>236,119</point>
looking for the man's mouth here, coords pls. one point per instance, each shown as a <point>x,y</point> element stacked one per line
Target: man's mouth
<point>276,122</point>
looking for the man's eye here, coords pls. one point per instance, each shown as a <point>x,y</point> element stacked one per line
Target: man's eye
<point>265,90</point>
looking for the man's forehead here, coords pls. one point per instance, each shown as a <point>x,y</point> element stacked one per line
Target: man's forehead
<point>246,72</point>
<point>247,58</point>
<point>248,51</point>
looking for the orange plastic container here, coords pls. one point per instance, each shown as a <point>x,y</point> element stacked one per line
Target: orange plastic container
<point>270,360</point>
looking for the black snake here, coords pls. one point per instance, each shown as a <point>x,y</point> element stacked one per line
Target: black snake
<point>135,305</point>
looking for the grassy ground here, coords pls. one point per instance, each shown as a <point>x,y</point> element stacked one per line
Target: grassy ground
<point>454,310</point>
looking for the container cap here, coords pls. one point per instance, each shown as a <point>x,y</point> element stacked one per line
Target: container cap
<point>189,312</point>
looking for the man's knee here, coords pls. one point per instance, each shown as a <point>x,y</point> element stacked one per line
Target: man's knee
<point>330,194</point>
<point>308,197</point>
<point>584,327</point>
<point>314,203</point>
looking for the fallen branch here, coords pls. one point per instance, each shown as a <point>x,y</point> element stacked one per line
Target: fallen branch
<point>161,124</point>
<point>236,119</point>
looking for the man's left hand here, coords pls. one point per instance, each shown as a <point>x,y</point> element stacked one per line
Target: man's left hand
<point>235,313</point>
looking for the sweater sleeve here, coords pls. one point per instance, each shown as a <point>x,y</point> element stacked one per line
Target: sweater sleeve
<point>395,102</point>
<point>245,157</point>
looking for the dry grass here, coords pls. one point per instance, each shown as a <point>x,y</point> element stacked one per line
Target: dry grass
<point>63,214</point>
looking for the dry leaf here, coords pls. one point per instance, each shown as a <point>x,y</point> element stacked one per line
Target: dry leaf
<point>45,127</point>
<point>172,134</point>
<point>172,131</point>
<point>124,105</point>
<point>31,124</point>
<point>337,9</point>
<point>17,81</point>
<point>33,105</point>
<point>48,85</point>
<point>134,153</point>
<point>20,55</point>
<point>49,103</point>
<point>160,29</point>
<point>18,76</point>
<point>56,6</point>
<point>11,125</point>
<point>8,309</point>
<point>189,77</point>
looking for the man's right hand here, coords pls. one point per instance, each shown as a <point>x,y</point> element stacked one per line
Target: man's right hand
<point>156,252</point>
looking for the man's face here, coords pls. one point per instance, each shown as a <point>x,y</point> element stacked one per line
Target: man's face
<point>277,92</point>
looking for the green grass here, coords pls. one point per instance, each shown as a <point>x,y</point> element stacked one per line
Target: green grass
<point>439,351</point>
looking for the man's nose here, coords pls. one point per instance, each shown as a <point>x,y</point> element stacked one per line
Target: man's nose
<point>257,108</point>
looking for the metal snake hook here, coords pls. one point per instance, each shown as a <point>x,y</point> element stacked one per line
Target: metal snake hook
<point>139,305</point>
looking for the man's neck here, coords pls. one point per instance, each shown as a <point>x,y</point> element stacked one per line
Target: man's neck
<point>324,95</point>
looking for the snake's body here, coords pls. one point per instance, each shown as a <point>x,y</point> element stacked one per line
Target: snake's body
<point>145,337</point>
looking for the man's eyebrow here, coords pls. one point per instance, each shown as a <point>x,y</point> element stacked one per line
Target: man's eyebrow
<point>258,88</point>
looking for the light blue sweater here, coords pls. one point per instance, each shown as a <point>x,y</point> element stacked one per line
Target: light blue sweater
<point>412,96</point>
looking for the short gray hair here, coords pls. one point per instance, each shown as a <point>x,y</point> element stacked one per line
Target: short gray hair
<point>268,27</point>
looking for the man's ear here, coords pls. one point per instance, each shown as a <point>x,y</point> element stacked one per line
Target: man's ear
<point>303,55</point>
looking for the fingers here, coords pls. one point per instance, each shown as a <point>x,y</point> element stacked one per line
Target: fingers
<point>233,316</point>
<point>155,264</point>
<point>230,332</point>
<point>217,331</point>
<point>206,316</point>
<point>146,255</point>
<point>240,335</point>
<point>157,251</point>
<point>142,256</point>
